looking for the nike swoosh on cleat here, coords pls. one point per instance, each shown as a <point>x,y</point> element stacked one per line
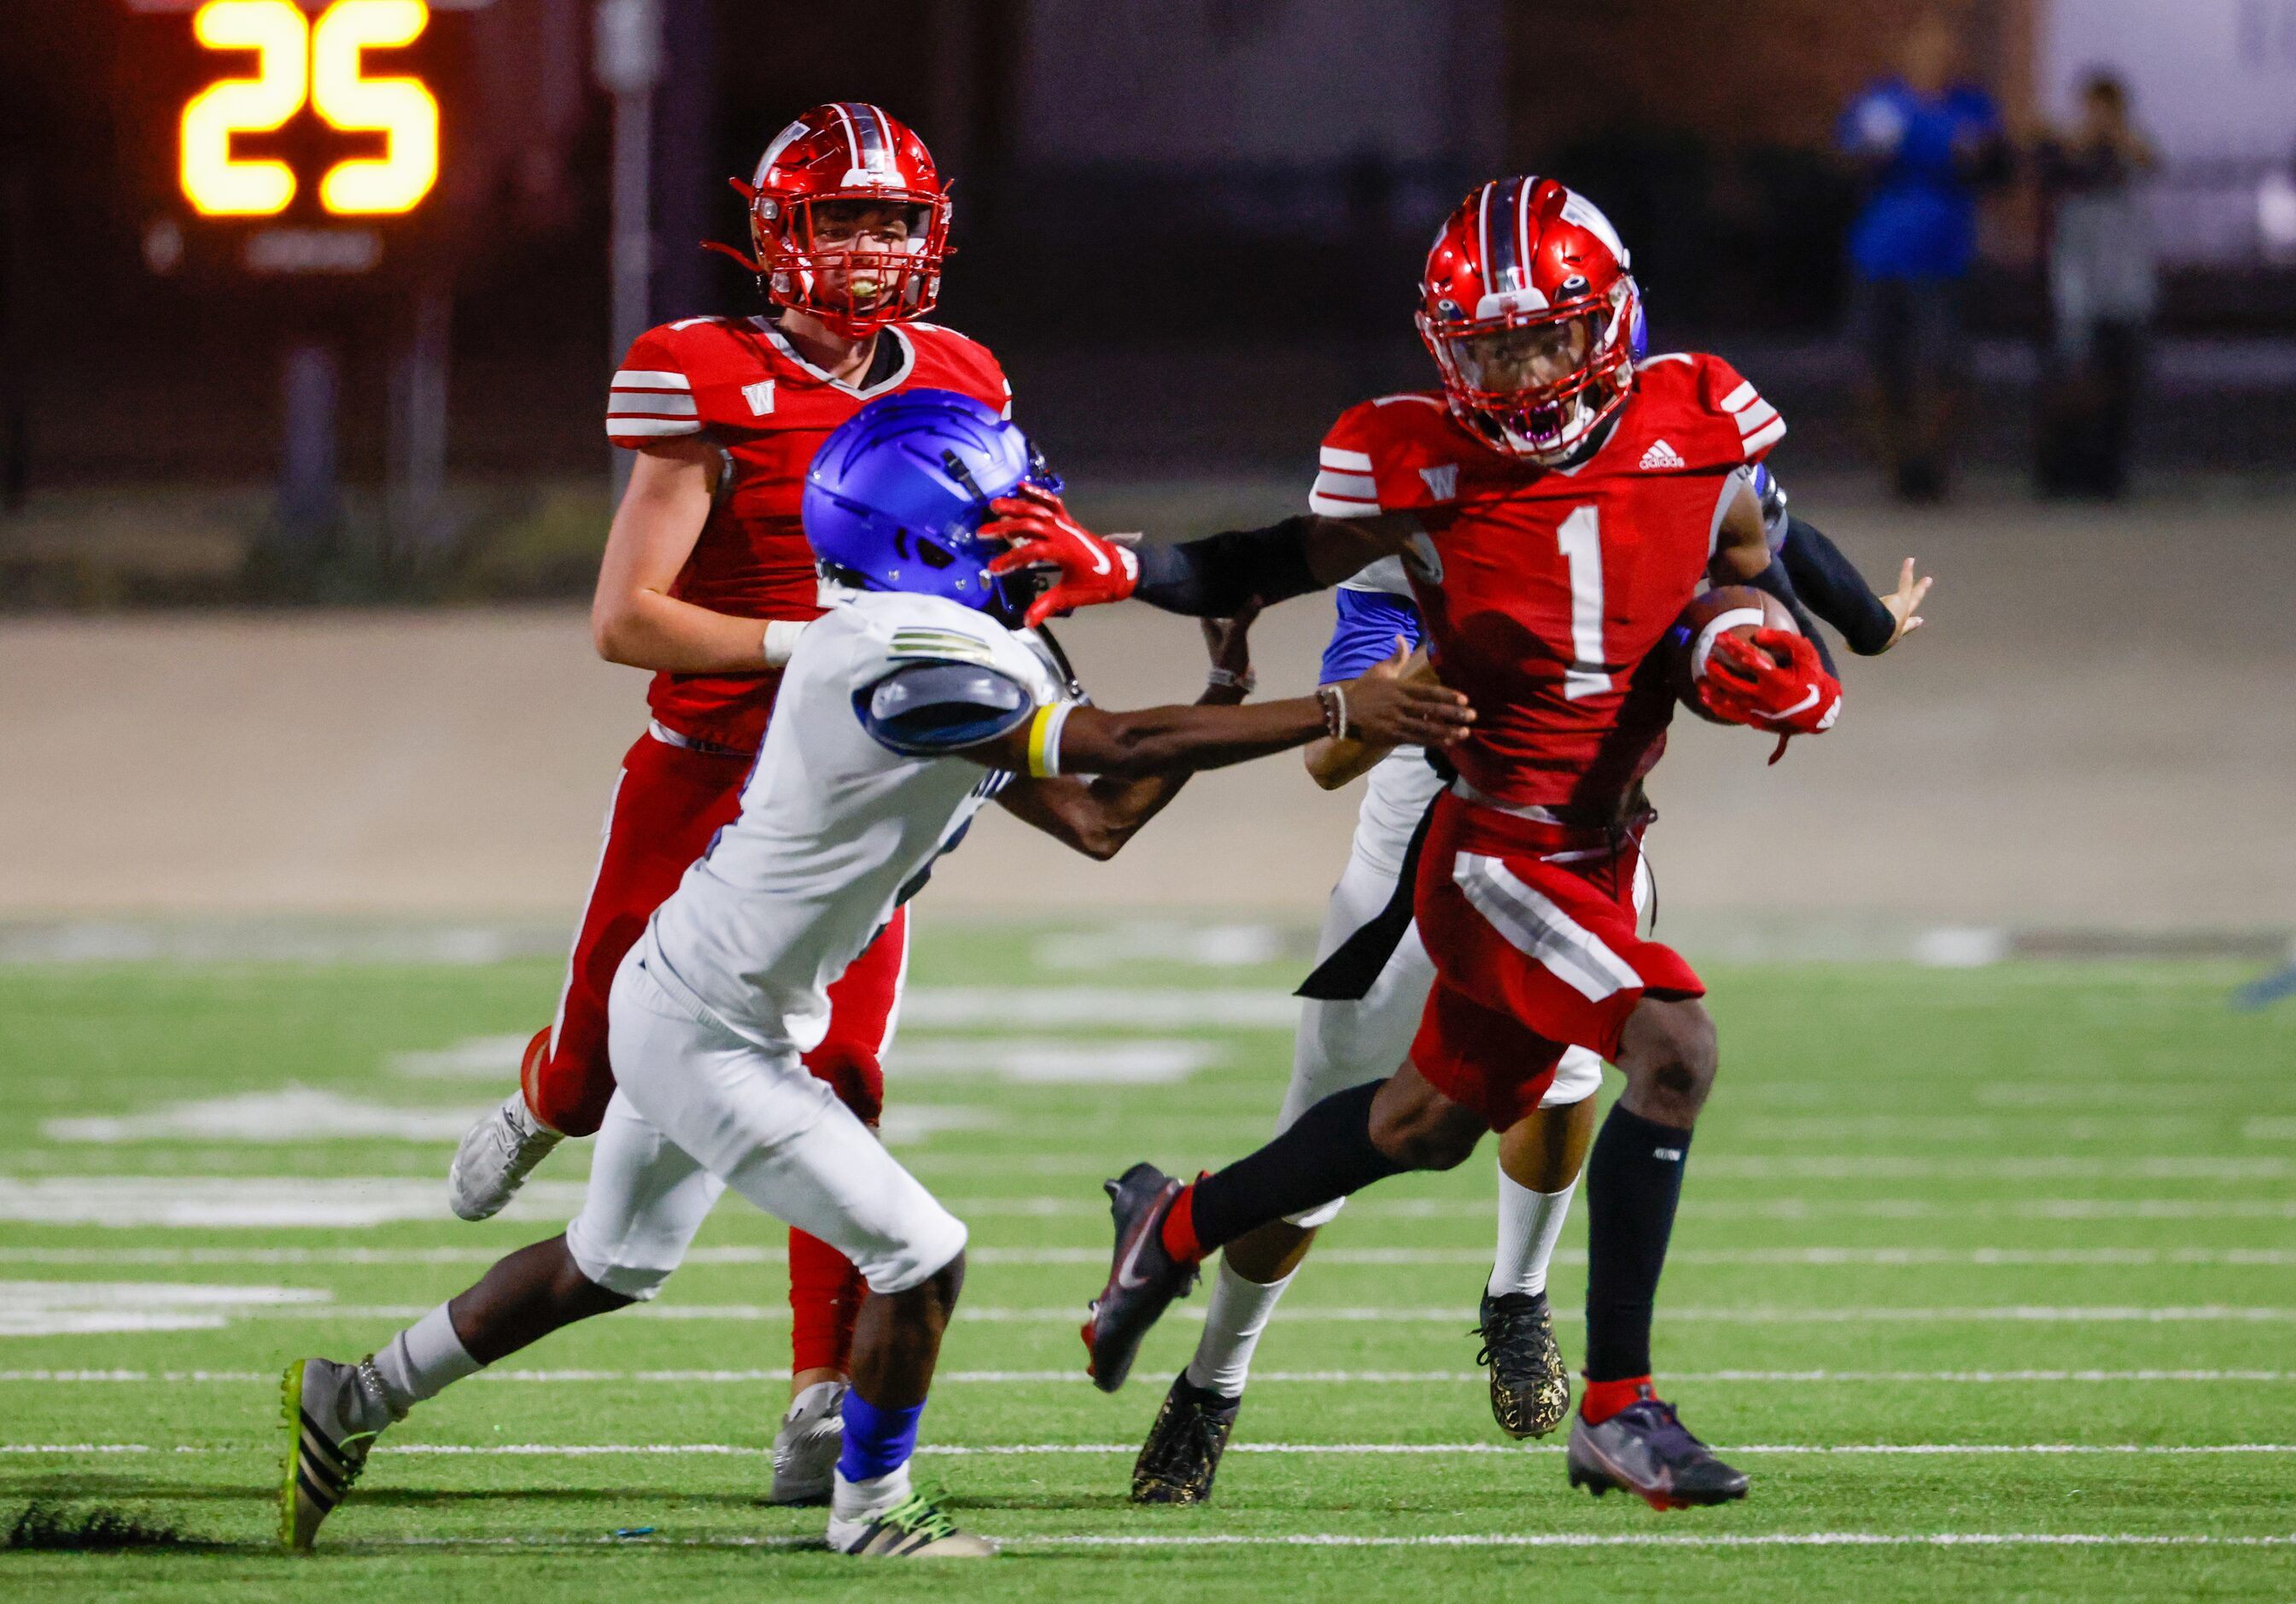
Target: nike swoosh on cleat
<point>1125,1278</point>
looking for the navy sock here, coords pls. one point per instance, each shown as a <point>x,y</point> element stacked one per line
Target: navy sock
<point>1634,1183</point>
<point>1326,1154</point>
<point>876,1440</point>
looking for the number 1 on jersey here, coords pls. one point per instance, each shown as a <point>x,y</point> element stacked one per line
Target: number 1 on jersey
<point>1581,536</point>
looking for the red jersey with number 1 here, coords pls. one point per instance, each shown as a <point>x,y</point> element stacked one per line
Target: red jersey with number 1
<point>1544,589</point>
<point>736,382</point>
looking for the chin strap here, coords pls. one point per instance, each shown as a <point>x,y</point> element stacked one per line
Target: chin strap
<point>747,261</point>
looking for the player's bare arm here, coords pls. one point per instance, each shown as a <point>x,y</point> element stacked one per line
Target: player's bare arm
<point>1097,815</point>
<point>633,617</point>
<point>1169,740</point>
<point>1334,760</point>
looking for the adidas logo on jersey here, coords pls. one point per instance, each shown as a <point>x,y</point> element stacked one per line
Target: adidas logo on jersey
<point>1661,455</point>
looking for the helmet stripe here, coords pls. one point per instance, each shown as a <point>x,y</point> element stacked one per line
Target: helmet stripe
<point>1523,189</point>
<point>1483,237</point>
<point>864,119</point>
<point>852,135</point>
<point>885,140</point>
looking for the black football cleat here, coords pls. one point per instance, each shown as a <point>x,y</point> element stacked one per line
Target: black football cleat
<point>1143,1280</point>
<point>1182,1454</point>
<point>1645,1449</point>
<point>1530,1391</point>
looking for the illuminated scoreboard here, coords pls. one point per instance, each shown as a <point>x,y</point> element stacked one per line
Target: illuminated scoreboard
<point>276,137</point>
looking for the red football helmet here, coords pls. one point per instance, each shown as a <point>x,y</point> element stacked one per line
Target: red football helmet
<point>1529,312</point>
<point>810,256</point>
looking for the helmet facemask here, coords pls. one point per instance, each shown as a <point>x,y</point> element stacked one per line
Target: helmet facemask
<point>1538,383</point>
<point>855,259</point>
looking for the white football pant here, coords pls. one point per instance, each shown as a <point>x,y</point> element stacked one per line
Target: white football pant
<point>697,1109</point>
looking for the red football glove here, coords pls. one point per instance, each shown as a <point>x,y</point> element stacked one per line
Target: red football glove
<point>1041,534</point>
<point>1745,684</point>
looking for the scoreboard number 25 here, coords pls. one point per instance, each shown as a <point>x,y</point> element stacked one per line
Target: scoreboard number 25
<point>320,63</point>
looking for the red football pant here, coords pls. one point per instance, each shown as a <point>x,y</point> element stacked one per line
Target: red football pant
<point>668,803</point>
<point>1533,930</point>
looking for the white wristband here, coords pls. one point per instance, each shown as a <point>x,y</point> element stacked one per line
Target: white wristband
<point>781,640</point>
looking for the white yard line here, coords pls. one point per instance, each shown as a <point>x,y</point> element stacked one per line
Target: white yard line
<point>1444,1314</point>
<point>1459,1540</point>
<point>1030,1449</point>
<point>275,1203</point>
<point>1334,1377</point>
<point>1667,1540</point>
<point>1980,1257</point>
<point>349,1256</point>
<point>1095,1008</point>
<point>1884,1166</point>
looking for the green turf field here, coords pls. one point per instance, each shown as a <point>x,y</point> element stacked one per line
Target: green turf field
<point>1988,1276</point>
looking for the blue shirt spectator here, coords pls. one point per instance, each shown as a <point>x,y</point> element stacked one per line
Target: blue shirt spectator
<point>1921,221</point>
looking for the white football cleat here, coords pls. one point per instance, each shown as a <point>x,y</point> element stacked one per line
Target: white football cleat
<point>334,1412</point>
<point>805,1448</point>
<point>915,1528</point>
<point>497,1155</point>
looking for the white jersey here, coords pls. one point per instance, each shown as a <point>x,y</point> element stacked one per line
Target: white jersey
<point>835,828</point>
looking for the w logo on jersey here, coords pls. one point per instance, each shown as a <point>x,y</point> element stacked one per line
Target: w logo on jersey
<point>1442,482</point>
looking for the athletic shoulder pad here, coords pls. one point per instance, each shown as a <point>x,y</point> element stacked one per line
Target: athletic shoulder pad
<point>925,709</point>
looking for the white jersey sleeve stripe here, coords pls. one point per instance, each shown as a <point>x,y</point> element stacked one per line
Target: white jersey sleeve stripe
<point>1335,506</point>
<point>1347,462</point>
<point>1754,417</point>
<point>1352,487</point>
<point>1768,434</point>
<point>649,378</point>
<point>632,427</point>
<point>1738,398</point>
<point>658,402</point>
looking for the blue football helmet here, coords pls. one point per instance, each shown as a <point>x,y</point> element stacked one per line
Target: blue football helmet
<point>898,492</point>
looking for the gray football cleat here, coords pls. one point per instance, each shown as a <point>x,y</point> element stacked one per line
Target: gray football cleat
<point>806,1447</point>
<point>497,1155</point>
<point>334,1412</point>
<point>1645,1449</point>
<point>915,1528</point>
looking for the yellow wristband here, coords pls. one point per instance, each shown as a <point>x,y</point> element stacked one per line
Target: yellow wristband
<point>1044,739</point>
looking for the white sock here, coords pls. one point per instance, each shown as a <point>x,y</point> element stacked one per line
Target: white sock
<point>1238,1314</point>
<point>1530,1223</point>
<point>421,1361</point>
<point>865,1500</point>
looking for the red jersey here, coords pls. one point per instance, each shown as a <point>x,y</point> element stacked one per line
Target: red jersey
<point>737,382</point>
<point>1543,589</point>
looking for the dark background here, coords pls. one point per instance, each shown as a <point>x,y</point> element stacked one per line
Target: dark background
<point>1161,318</point>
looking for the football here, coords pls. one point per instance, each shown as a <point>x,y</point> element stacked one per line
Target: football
<point>1736,609</point>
